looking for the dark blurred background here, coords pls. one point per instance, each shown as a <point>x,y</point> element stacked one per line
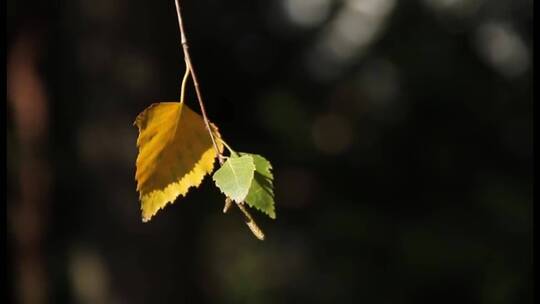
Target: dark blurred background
<point>400,133</point>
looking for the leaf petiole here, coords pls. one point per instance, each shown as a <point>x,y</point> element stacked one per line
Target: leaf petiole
<point>184,81</point>
<point>233,153</point>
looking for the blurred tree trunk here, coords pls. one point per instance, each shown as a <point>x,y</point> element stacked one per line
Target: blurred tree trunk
<point>28,210</point>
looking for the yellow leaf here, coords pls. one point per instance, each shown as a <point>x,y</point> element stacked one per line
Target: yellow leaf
<point>175,153</point>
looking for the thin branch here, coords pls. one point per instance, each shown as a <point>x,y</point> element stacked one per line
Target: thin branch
<point>228,204</point>
<point>249,219</point>
<point>185,48</point>
<point>251,222</point>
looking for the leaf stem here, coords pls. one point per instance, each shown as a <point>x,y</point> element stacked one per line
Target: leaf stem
<point>184,81</point>
<point>189,66</point>
<point>228,147</point>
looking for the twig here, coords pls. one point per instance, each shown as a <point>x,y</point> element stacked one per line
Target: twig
<point>251,223</point>
<point>228,204</point>
<point>249,219</point>
<point>185,47</point>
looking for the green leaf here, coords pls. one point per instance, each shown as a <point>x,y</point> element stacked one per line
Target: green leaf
<point>261,192</point>
<point>235,177</point>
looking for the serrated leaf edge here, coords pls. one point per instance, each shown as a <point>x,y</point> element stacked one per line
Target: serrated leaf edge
<point>179,188</point>
<point>250,183</point>
<point>272,213</point>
